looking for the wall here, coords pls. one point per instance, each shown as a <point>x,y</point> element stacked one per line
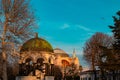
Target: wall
<point>26,78</point>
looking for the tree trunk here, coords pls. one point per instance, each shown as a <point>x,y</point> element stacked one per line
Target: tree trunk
<point>3,52</point>
<point>114,74</point>
<point>93,65</point>
<point>95,75</point>
<point>4,71</point>
<point>102,74</point>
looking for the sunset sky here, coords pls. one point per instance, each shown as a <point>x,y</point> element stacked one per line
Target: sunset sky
<point>68,24</point>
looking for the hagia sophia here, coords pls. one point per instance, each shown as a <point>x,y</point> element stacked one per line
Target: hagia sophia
<point>38,58</point>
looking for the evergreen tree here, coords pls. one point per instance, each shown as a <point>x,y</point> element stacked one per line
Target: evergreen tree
<point>116,30</point>
<point>116,45</point>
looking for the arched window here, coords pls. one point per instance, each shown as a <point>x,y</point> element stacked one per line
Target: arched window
<point>40,61</point>
<point>29,61</point>
<point>65,63</point>
<point>28,66</point>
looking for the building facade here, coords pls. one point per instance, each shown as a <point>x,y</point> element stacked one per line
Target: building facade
<point>90,75</point>
<point>38,58</point>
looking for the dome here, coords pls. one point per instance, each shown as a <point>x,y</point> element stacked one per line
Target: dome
<point>36,44</point>
<point>60,52</point>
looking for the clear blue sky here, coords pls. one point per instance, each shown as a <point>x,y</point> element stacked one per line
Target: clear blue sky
<point>67,24</point>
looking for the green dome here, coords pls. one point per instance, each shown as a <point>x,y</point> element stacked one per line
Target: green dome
<point>36,44</point>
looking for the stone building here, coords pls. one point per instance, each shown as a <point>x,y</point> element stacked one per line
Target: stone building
<point>38,58</point>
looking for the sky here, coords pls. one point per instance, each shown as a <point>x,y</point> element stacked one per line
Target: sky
<point>68,24</point>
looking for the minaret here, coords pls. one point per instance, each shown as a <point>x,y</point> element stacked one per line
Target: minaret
<point>75,60</point>
<point>36,35</point>
<point>74,53</point>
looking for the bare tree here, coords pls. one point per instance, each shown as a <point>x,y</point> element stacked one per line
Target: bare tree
<point>92,50</point>
<point>16,24</point>
<point>1,66</point>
